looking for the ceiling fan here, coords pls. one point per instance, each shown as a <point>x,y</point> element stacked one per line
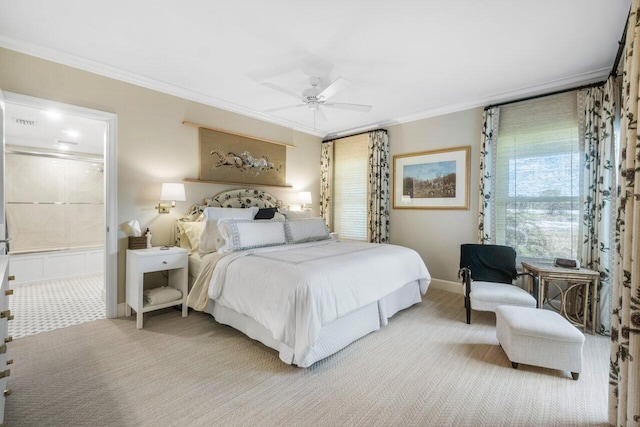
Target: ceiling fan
<point>315,96</point>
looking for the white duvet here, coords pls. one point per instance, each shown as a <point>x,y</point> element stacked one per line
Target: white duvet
<point>293,290</point>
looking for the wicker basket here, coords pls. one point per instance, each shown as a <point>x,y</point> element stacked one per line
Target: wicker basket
<point>137,242</point>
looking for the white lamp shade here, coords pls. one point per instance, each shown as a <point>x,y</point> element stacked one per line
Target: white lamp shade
<point>304,197</point>
<point>173,191</point>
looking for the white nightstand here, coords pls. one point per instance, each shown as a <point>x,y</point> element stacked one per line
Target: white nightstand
<point>140,261</point>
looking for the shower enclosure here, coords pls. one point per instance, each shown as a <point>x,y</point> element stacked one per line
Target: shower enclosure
<point>55,213</point>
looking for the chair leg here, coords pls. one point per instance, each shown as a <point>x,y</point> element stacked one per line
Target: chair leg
<point>468,307</point>
<point>575,375</point>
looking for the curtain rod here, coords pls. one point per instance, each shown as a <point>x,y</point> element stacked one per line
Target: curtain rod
<point>542,95</point>
<point>353,134</point>
<point>621,43</point>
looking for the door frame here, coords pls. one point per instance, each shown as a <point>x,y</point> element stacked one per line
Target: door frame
<point>3,214</point>
<point>110,185</point>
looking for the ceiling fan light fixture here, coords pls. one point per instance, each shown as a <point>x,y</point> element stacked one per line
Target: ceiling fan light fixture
<point>314,97</point>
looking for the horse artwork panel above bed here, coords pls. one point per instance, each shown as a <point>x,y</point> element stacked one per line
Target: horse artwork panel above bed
<point>240,159</point>
<point>305,300</point>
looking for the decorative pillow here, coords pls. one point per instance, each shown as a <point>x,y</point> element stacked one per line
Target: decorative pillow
<point>306,230</point>
<point>183,240</point>
<point>190,235</point>
<point>211,240</point>
<point>266,213</point>
<point>241,234</point>
<point>295,215</point>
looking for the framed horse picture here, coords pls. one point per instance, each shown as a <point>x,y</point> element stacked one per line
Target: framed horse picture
<point>240,159</point>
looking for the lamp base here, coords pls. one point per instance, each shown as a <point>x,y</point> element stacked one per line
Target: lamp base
<point>164,208</point>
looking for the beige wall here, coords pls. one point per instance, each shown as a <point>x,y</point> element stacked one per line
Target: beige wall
<point>437,234</point>
<point>153,145</point>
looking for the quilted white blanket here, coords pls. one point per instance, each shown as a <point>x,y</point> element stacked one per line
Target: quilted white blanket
<point>293,290</point>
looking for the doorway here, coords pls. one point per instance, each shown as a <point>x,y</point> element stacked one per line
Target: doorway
<point>66,228</point>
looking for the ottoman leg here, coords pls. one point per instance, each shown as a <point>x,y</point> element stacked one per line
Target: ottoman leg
<point>575,375</point>
<point>514,365</point>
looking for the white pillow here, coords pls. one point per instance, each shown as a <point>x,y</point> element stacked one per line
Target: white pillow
<point>306,230</point>
<point>241,234</point>
<point>294,215</point>
<point>279,217</point>
<point>211,240</point>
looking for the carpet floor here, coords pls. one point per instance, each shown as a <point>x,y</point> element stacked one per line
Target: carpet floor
<point>427,367</point>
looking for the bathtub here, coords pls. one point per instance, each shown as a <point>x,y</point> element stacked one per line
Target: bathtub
<point>35,267</point>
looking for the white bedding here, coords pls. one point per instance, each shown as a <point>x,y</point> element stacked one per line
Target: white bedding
<point>195,264</point>
<point>293,290</point>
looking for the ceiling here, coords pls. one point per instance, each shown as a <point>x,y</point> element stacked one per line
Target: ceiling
<point>409,59</point>
<point>53,130</point>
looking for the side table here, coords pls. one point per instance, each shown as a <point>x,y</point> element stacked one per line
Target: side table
<point>547,273</point>
<point>140,261</point>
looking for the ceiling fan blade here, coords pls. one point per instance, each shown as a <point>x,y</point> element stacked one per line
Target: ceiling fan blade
<point>336,86</point>
<point>320,115</point>
<point>286,107</point>
<point>282,89</point>
<point>354,107</point>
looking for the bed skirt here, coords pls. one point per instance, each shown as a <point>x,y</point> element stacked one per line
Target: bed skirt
<point>333,336</point>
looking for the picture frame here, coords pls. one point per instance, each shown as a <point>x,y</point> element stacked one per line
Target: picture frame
<point>437,179</point>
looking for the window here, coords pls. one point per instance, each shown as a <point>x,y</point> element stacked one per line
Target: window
<point>350,160</point>
<point>537,177</point>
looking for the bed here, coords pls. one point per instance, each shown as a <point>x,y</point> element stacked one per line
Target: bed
<point>307,298</point>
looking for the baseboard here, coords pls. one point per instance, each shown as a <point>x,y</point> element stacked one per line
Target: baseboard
<point>446,285</point>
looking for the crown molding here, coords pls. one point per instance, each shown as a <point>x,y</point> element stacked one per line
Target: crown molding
<point>538,89</point>
<point>549,86</point>
<point>105,70</point>
<point>170,89</point>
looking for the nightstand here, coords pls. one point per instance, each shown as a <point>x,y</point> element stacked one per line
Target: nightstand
<point>141,261</point>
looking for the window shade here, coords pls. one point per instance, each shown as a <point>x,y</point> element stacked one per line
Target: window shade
<point>537,185</point>
<point>350,187</point>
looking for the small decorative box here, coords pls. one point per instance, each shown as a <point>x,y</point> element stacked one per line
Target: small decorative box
<point>137,242</point>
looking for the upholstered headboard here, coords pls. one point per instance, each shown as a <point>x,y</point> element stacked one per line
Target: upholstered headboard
<point>238,198</point>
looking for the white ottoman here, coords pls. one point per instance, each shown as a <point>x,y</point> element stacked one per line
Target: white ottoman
<point>540,338</point>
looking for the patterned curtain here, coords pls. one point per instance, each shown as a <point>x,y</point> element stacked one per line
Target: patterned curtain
<point>326,183</point>
<point>597,116</point>
<point>486,228</point>
<point>624,376</point>
<point>378,187</point>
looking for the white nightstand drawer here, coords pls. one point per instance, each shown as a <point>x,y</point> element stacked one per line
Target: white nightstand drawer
<point>161,262</point>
